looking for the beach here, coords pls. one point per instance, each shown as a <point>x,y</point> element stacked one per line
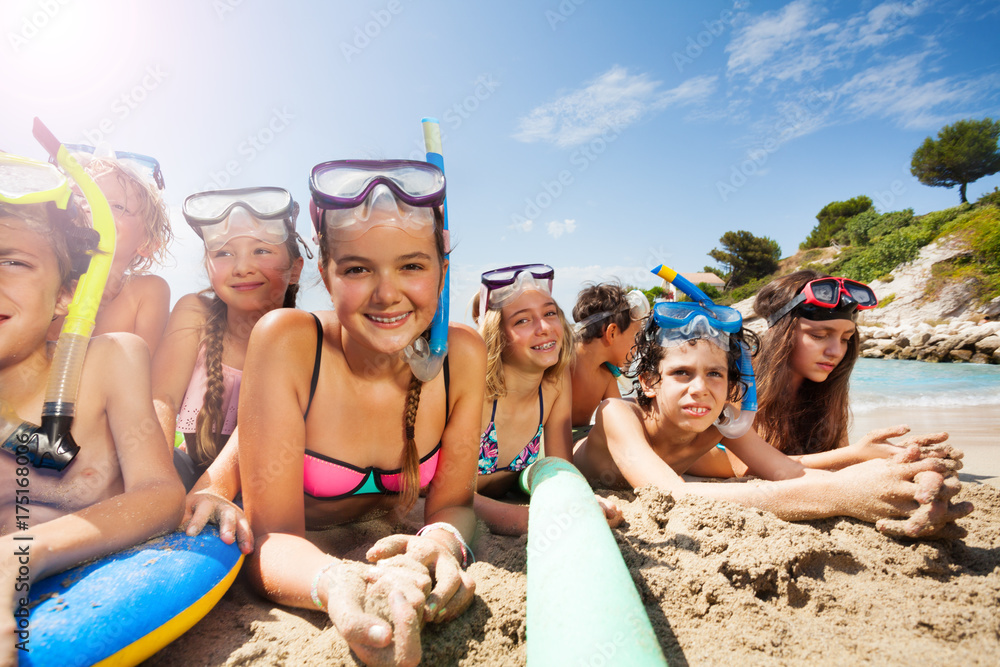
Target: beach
<point>721,583</point>
<point>973,429</point>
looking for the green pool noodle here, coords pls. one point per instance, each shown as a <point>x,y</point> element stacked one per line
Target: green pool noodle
<point>583,608</point>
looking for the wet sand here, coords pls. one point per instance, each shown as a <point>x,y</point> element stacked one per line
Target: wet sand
<point>975,430</point>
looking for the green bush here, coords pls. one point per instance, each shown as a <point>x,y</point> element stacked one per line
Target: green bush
<point>747,290</point>
<point>859,227</point>
<point>892,249</point>
<point>866,227</point>
<point>989,198</point>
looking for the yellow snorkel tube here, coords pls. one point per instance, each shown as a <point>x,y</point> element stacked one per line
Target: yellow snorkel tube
<point>54,446</point>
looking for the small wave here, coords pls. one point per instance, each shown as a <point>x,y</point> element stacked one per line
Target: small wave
<point>863,402</point>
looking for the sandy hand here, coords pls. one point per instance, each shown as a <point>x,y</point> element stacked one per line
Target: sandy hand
<point>397,592</point>
<point>909,495</point>
<point>203,507</point>
<point>375,638</point>
<point>454,589</point>
<point>877,444</point>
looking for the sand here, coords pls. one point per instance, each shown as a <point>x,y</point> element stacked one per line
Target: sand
<point>720,584</point>
<point>975,430</point>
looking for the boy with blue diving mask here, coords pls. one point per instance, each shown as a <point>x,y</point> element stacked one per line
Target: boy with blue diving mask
<point>686,370</point>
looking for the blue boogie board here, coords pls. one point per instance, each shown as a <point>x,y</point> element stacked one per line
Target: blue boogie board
<point>123,608</point>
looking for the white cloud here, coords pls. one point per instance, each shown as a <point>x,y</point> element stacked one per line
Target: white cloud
<point>524,227</point>
<point>792,45</point>
<point>762,40</point>
<point>557,229</point>
<point>896,91</point>
<point>810,71</point>
<point>615,99</point>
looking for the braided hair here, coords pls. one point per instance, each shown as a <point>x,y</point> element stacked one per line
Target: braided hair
<point>211,419</point>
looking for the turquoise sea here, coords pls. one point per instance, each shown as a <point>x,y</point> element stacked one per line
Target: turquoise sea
<point>883,383</point>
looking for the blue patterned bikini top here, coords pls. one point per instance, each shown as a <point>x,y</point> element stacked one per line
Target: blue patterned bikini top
<point>489,449</point>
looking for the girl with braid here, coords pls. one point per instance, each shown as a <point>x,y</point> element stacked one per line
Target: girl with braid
<point>338,429</point>
<point>253,262</point>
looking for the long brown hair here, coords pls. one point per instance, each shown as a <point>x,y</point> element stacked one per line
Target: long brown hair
<point>814,419</point>
<point>409,459</point>
<point>211,419</point>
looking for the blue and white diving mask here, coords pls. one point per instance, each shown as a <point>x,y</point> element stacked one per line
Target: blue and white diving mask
<point>674,323</point>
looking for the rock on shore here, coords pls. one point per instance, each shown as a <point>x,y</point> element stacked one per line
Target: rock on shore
<point>945,326</point>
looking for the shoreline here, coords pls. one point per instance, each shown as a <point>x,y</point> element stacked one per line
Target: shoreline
<point>971,429</point>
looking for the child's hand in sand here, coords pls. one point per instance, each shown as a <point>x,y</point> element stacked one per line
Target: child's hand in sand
<point>200,507</point>
<point>935,518</point>
<point>612,514</point>
<point>454,588</point>
<point>377,609</point>
<point>875,444</point>
<point>908,495</point>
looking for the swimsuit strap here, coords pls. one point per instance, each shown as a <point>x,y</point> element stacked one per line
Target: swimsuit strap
<point>541,407</point>
<point>315,375</point>
<point>447,374</point>
<point>614,370</point>
<point>493,415</point>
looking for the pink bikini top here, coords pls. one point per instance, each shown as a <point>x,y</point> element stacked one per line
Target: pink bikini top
<point>194,396</point>
<point>326,478</point>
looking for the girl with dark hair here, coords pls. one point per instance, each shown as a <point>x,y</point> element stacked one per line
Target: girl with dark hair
<point>253,262</point>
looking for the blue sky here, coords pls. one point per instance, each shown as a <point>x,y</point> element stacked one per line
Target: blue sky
<point>602,138</point>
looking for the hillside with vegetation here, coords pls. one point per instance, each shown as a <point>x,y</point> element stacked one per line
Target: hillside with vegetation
<point>872,246</point>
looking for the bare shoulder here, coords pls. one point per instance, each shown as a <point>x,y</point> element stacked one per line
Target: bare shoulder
<point>192,307</point>
<point>619,409</point>
<point>148,288</point>
<point>284,324</point>
<point>117,348</point>
<point>464,338</point>
<point>464,342</point>
<point>148,283</point>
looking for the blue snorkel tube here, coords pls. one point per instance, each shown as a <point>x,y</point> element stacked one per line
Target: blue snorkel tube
<point>730,425</point>
<point>426,358</point>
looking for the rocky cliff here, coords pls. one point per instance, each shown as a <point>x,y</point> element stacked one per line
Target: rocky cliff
<point>941,325</point>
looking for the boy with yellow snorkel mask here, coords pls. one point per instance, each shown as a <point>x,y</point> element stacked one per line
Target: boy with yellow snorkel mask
<point>120,488</point>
